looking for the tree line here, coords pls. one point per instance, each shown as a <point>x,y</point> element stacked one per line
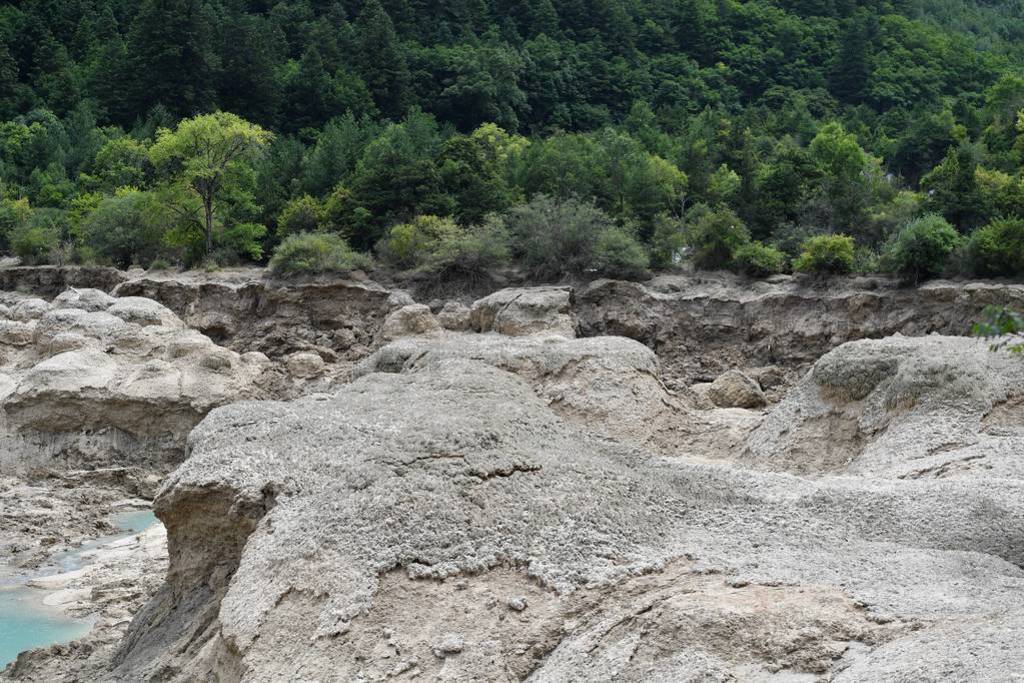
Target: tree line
<point>606,137</point>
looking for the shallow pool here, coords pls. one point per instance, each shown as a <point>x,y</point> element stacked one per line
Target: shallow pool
<point>25,622</point>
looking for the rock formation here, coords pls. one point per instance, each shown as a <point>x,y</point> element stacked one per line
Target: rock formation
<point>902,407</point>
<point>703,325</point>
<point>335,317</point>
<point>96,380</point>
<point>444,522</point>
<point>492,498</point>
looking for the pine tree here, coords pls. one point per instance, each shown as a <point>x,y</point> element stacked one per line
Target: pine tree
<point>169,58</point>
<point>380,60</point>
<point>852,68</point>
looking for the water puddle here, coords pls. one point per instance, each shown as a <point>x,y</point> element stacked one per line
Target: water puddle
<point>25,622</point>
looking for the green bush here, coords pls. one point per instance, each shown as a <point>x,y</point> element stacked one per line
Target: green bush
<point>410,245</point>
<point>667,241</point>
<point>122,230</point>
<point>759,260</point>
<point>618,254</point>
<point>714,237</point>
<point>440,248</point>
<point>312,253</point>
<point>34,244</point>
<point>552,237</point>
<point>14,214</point>
<point>302,214</point>
<point>922,248</point>
<point>997,249</point>
<point>866,261</point>
<point>826,254</point>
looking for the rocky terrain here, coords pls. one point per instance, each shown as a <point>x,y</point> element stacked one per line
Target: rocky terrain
<point>688,479</point>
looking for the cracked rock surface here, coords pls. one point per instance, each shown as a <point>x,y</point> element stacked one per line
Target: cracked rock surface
<point>363,535</point>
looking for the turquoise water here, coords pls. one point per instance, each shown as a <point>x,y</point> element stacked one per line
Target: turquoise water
<point>135,521</point>
<point>26,623</point>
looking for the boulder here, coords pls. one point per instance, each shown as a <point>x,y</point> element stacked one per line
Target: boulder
<point>30,309</point>
<point>456,317</point>
<point>409,320</point>
<point>84,299</point>
<point>524,311</point>
<point>924,407</point>
<point>734,389</point>
<point>305,365</point>
<point>141,311</point>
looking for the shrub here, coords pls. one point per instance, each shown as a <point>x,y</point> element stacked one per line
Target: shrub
<point>34,244</point>
<point>618,254</point>
<point>121,229</point>
<point>825,254</point>
<point>242,241</point>
<point>302,214</point>
<point>667,241</point>
<point>922,248</point>
<point>715,236</point>
<point>14,214</point>
<point>311,253</point>
<point>997,249</point>
<point>866,261</point>
<point>759,260</point>
<point>409,245</point>
<point>556,237</point>
<point>438,247</point>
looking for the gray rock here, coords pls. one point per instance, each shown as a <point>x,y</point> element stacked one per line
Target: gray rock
<point>84,299</point>
<point>30,309</point>
<point>524,311</point>
<point>305,365</point>
<point>410,320</point>
<point>925,407</point>
<point>98,389</point>
<point>455,469</point>
<point>141,311</point>
<point>734,389</point>
<point>611,384</point>
<point>456,317</point>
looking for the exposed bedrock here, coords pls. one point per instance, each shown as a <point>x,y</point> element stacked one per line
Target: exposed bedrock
<point>926,407</point>
<point>90,380</point>
<point>703,325</point>
<point>334,317</point>
<point>49,281</point>
<point>700,325</point>
<point>444,522</point>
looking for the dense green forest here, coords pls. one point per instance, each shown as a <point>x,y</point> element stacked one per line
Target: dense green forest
<point>566,138</point>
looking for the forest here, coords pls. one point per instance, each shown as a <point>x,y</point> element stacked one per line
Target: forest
<point>570,138</point>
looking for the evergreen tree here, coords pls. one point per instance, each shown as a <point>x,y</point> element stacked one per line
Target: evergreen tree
<point>169,58</point>
<point>380,60</point>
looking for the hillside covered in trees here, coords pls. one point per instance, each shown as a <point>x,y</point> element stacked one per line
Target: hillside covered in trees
<point>569,137</point>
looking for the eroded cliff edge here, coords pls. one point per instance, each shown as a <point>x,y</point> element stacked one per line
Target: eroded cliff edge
<point>492,497</point>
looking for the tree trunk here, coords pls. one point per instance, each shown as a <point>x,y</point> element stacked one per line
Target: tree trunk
<point>208,208</point>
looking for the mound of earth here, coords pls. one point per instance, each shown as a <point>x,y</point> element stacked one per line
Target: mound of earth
<point>924,407</point>
<point>445,523</point>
